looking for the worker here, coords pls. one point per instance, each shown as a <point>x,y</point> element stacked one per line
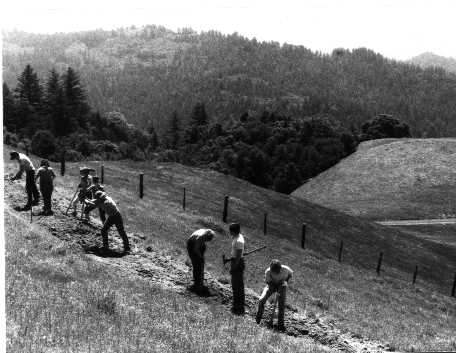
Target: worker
<point>277,277</point>
<point>46,176</point>
<point>237,269</point>
<point>196,247</point>
<point>108,205</point>
<point>92,189</point>
<point>84,184</point>
<point>26,165</point>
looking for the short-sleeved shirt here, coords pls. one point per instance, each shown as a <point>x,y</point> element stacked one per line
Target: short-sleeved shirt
<point>25,164</point>
<point>46,175</point>
<point>277,278</point>
<point>237,244</point>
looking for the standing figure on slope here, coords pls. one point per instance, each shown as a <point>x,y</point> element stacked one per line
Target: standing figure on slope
<point>196,247</point>
<point>46,176</point>
<point>26,165</point>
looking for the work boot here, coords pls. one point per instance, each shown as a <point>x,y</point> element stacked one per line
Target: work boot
<point>74,213</point>
<point>35,202</point>
<point>281,327</point>
<point>26,208</point>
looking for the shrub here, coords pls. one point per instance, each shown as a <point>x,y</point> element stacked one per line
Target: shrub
<point>73,156</point>
<point>384,126</point>
<point>43,143</point>
<point>10,139</point>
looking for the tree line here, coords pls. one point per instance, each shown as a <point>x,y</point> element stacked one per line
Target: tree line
<point>54,118</point>
<point>269,149</point>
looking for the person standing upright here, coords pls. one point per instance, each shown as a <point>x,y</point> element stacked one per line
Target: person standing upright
<point>237,269</point>
<point>26,165</point>
<point>46,176</point>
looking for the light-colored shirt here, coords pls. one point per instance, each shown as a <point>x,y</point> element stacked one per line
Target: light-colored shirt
<point>237,244</point>
<point>25,165</point>
<point>271,277</point>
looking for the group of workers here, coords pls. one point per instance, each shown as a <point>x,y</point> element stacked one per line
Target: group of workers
<point>277,276</point>
<point>91,194</point>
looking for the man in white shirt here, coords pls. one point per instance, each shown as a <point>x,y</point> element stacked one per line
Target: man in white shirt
<point>25,165</point>
<point>237,269</point>
<point>196,247</point>
<point>277,277</point>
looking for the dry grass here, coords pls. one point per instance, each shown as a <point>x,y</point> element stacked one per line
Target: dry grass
<point>67,303</point>
<point>391,179</point>
<point>387,308</point>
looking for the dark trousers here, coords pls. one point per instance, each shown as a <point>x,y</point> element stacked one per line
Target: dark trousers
<point>118,222</point>
<point>47,198</point>
<point>102,215</point>
<point>30,187</point>
<point>198,270</point>
<point>282,296</point>
<point>237,285</point>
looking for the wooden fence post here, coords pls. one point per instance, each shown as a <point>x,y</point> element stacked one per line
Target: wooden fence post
<point>62,164</point>
<point>303,236</point>
<point>102,174</point>
<point>265,223</point>
<point>141,185</point>
<point>454,286</point>
<point>379,264</point>
<point>31,214</point>
<point>225,209</point>
<point>415,274</point>
<point>184,200</point>
<point>340,250</point>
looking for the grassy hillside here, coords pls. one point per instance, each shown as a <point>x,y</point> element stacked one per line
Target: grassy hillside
<point>390,179</point>
<point>349,297</point>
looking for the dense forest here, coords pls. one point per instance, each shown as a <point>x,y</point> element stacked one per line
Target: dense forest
<point>147,73</point>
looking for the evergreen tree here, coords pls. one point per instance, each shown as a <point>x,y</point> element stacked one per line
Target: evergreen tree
<point>199,116</point>
<point>54,104</point>
<point>173,132</point>
<point>28,89</point>
<point>9,111</point>
<point>75,99</point>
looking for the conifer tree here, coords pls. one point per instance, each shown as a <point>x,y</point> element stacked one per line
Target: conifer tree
<point>173,131</point>
<point>75,99</point>
<point>9,118</point>
<point>54,104</point>
<point>28,89</point>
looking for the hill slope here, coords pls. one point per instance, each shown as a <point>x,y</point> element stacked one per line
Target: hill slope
<point>347,296</point>
<point>148,73</point>
<point>433,60</point>
<point>390,179</point>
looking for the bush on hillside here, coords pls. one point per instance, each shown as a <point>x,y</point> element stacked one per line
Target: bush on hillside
<point>43,143</point>
<point>384,126</point>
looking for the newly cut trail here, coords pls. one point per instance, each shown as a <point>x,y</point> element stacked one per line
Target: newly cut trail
<point>173,274</point>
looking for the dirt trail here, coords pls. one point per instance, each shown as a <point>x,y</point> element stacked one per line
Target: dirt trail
<point>174,274</point>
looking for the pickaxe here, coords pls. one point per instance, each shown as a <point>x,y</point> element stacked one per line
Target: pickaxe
<point>225,259</point>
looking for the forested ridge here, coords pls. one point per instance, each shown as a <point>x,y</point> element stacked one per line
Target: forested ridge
<point>275,115</point>
<point>148,73</point>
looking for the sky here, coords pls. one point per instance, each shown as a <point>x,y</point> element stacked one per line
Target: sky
<point>398,29</point>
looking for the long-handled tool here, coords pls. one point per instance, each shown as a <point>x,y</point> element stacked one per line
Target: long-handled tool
<point>226,260</point>
<point>71,201</point>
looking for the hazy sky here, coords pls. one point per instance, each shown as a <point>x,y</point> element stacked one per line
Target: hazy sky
<point>396,28</point>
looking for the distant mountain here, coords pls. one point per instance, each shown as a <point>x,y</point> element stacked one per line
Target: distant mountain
<point>148,73</point>
<point>428,59</point>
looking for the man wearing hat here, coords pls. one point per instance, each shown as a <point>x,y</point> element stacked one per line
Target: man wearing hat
<point>196,247</point>
<point>26,165</point>
<point>92,189</point>
<point>277,277</point>
<point>105,203</point>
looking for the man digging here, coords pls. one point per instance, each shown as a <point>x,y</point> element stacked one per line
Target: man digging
<point>237,269</point>
<point>196,247</point>
<point>26,165</point>
<point>105,203</point>
<point>277,277</point>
